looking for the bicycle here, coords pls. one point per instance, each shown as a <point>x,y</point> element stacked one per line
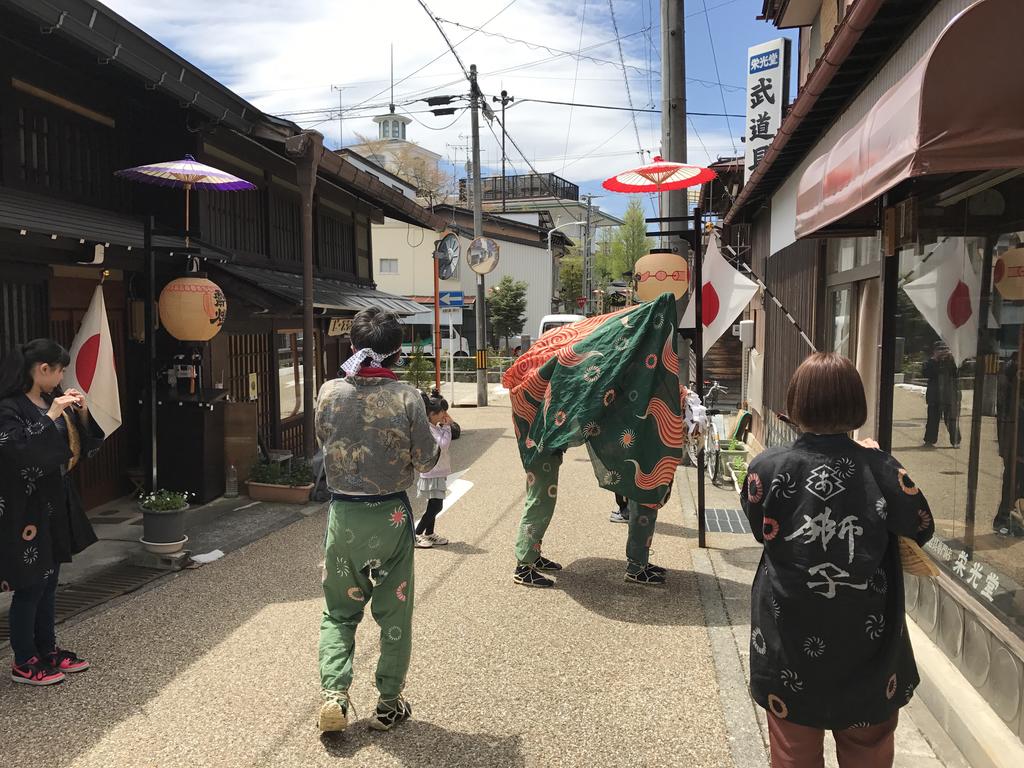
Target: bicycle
<point>715,433</point>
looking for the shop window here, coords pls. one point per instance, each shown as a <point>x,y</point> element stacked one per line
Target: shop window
<point>958,399</point>
<point>846,253</point>
<point>289,373</point>
<point>841,320</point>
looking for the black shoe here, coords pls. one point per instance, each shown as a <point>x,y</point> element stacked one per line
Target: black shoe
<point>656,569</point>
<point>543,564</point>
<point>643,574</point>
<point>390,713</point>
<point>528,576</point>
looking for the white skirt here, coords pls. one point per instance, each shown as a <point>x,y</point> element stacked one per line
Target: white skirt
<point>432,487</point>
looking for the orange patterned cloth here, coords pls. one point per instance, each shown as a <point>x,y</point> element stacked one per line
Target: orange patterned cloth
<point>611,382</point>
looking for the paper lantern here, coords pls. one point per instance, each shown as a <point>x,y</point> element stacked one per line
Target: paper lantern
<point>661,272</point>
<point>1009,274</point>
<point>193,308</point>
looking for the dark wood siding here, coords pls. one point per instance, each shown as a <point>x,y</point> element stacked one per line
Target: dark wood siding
<point>234,220</point>
<point>22,311</point>
<point>336,242</point>
<point>285,227</point>
<point>793,274</point>
<point>250,353</point>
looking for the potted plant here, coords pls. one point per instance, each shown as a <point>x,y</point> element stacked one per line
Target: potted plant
<point>730,450</point>
<point>163,521</point>
<point>270,481</point>
<point>738,471</point>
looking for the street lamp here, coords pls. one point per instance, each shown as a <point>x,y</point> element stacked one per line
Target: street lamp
<point>550,255</point>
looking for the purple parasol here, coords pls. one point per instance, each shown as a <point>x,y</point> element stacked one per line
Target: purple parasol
<point>187,174</point>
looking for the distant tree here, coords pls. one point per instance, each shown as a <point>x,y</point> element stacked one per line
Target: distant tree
<point>432,185</point>
<point>570,279</point>
<point>506,306</point>
<point>418,371</point>
<point>617,250</point>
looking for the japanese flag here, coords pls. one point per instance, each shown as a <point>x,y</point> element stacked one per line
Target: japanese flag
<point>948,297</point>
<point>724,294</point>
<point>92,366</point>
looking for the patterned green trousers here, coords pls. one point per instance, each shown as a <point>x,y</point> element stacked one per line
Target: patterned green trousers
<point>368,558</point>
<point>541,495</point>
<point>641,533</point>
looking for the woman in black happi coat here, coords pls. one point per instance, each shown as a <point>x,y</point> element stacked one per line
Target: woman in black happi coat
<point>829,646</point>
<point>43,433</point>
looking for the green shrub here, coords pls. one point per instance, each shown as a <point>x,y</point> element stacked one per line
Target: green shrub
<point>164,500</point>
<point>275,473</point>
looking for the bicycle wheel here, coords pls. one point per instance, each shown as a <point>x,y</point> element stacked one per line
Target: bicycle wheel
<point>711,456</point>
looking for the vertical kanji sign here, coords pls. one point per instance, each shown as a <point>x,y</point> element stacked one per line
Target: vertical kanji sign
<point>767,97</point>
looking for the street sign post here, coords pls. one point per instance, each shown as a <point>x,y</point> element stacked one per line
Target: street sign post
<point>453,299</point>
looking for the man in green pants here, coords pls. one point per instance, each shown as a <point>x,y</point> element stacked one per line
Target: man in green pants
<point>639,568</point>
<point>375,436</point>
<point>541,494</point>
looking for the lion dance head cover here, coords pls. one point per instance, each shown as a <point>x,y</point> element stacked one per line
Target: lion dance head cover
<point>611,382</point>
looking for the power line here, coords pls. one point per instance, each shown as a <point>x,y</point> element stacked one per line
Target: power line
<point>451,47</point>
<point>579,47</point>
<point>629,98</point>
<point>442,54</point>
<point>714,58</point>
<point>618,109</point>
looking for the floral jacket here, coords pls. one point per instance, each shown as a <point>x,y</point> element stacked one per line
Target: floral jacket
<point>375,435</point>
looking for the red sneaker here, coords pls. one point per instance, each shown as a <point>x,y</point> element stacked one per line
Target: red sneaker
<point>35,672</point>
<point>67,661</point>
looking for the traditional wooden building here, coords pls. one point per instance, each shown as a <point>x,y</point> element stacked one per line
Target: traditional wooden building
<point>84,93</point>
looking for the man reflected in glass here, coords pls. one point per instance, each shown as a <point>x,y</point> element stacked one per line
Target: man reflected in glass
<point>942,395</point>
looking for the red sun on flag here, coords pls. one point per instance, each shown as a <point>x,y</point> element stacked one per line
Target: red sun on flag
<point>958,308</point>
<point>710,305</point>
<point>87,361</point>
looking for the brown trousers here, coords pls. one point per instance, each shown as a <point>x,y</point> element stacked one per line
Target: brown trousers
<point>798,746</point>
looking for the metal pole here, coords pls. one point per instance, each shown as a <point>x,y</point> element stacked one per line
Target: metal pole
<point>437,324</point>
<point>478,231</point>
<point>504,102</point>
<point>588,263</point>
<point>698,346</point>
<point>151,345</point>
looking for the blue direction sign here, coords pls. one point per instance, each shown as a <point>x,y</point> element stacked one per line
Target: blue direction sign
<point>451,298</point>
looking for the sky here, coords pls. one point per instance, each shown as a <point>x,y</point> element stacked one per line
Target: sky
<point>284,56</point>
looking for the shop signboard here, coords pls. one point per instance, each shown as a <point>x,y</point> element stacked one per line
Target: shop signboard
<point>767,98</point>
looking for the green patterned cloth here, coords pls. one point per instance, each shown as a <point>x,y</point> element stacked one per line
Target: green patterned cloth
<point>611,382</point>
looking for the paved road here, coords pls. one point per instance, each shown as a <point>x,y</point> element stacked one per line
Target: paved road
<point>217,667</point>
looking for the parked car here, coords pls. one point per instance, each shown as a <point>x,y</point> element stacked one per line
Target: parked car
<point>556,321</point>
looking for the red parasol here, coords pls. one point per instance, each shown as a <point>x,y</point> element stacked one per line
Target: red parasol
<point>659,176</point>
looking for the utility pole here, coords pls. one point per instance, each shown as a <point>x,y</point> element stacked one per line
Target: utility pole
<point>478,231</point>
<point>673,138</point>
<point>588,260</point>
<point>341,133</point>
<point>505,100</point>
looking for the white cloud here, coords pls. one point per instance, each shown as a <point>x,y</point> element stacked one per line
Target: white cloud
<point>283,55</point>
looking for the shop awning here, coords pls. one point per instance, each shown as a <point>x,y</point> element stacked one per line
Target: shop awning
<point>331,295</point>
<point>961,108</point>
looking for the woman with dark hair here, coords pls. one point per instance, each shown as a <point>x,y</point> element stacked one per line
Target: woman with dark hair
<point>829,647</point>
<point>43,434</point>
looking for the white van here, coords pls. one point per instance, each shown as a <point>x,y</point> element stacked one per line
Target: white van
<point>556,321</point>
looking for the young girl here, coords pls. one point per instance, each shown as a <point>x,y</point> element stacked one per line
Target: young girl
<point>43,433</point>
<point>434,483</point>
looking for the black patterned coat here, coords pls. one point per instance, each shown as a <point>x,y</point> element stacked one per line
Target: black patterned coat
<point>829,646</point>
<point>41,517</point>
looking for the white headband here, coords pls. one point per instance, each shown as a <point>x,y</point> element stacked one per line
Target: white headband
<point>353,364</point>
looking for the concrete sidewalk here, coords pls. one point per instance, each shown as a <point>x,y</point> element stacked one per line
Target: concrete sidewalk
<point>217,666</point>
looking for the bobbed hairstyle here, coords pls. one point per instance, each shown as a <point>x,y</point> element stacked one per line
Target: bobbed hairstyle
<point>16,369</point>
<point>826,395</point>
<point>378,330</point>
